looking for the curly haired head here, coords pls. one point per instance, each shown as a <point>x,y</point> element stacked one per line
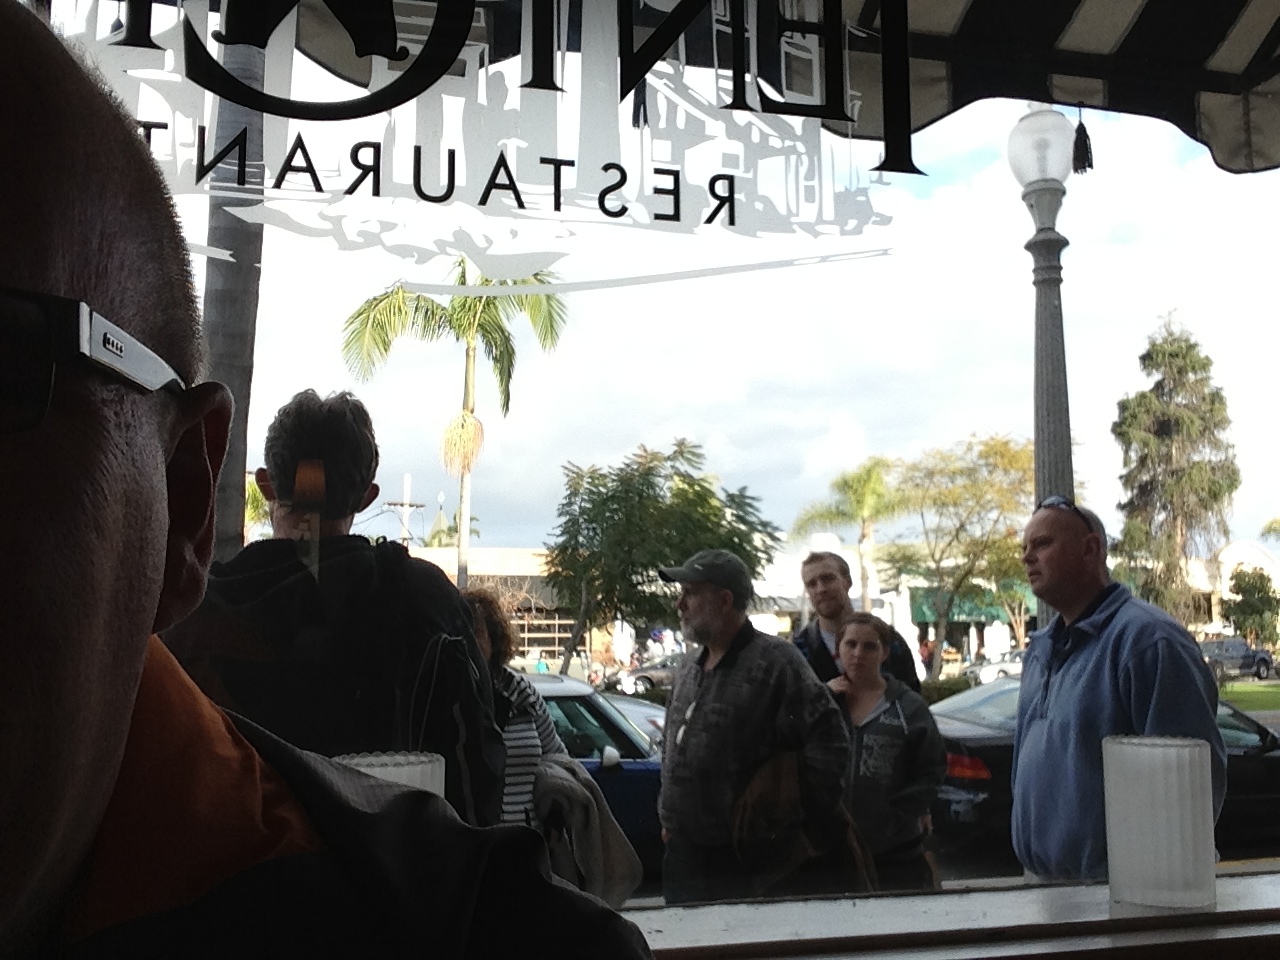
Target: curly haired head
<point>486,610</point>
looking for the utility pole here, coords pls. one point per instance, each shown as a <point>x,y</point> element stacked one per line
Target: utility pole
<point>405,508</point>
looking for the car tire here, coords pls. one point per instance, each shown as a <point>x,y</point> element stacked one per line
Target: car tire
<point>1262,670</point>
<point>1001,673</point>
<point>643,684</point>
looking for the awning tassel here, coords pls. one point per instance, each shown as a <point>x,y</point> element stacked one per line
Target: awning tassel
<point>1082,152</point>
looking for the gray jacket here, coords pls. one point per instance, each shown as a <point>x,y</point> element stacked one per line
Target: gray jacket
<point>898,763</point>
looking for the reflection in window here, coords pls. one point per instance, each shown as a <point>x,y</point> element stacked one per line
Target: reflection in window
<point>1236,731</point>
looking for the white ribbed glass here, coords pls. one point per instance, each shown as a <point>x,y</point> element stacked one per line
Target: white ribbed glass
<point>1159,803</point>
<point>422,770</point>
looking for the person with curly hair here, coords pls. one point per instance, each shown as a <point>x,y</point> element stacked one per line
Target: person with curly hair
<point>521,714</point>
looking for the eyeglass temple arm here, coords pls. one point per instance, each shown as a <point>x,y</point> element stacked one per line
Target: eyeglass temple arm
<point>106,344</point>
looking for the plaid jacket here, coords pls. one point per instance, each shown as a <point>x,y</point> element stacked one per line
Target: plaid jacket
<point>762,699</point>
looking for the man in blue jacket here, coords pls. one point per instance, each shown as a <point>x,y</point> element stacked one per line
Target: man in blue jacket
<point>1107,664</point>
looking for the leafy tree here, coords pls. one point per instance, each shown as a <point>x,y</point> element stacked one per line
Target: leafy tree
<point>1254,613</point>
<point>1180,471</point>
<point>445,533</point>
<point>619,524</point>
<point>899,561</point>
<point>1006,577</point>
<point>963,500</point>
<point>1271,529</point>
<point>257,513</point>
<point>859,499</point>
<point>482,322</point>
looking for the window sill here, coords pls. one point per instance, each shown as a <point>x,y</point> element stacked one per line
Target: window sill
<point>1060,920</point>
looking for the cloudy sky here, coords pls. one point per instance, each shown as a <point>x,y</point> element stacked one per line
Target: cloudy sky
<point>789,376</point>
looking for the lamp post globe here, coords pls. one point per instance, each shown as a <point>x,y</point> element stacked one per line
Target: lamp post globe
<point>1040,153</point>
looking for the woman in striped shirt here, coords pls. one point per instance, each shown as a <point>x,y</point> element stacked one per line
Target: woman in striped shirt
<point>521,714</point>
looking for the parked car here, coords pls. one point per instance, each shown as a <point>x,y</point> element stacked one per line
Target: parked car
<point>660,673</point>
<point>1234,657</point>
<point>620,757</point>
<point>971,670</point>
<point>649,717</point>
<point>972,813</point>
<point>1009,665</point>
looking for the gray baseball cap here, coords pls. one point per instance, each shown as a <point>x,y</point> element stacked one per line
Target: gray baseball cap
<point>720,568</point>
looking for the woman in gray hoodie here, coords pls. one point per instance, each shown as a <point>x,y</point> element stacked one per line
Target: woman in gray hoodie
<point>898,760</point>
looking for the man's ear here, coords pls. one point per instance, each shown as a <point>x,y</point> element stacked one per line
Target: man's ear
<point>263,480</point>
<point>370,495</point>
<point>198,441</point>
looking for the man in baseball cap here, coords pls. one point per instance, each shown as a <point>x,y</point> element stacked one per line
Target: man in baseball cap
<point>720,568</point>
<point>746,713</point>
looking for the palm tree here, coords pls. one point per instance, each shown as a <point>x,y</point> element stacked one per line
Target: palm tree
<point>861,499</point>
<point>257,513</point>
<point>444,533</point>
<point>482,321</point>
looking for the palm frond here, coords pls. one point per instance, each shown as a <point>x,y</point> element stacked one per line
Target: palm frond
<point>833,516</point>
<point>500,350</point>
<point>463,438</point>
<point>547,312</point>
<point>368,333</point>
<point>431,320</point>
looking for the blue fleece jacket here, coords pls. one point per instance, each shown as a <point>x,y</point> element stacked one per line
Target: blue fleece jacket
<point>1126,668</point>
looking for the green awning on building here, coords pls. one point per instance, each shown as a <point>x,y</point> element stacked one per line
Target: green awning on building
<point>980,608</point>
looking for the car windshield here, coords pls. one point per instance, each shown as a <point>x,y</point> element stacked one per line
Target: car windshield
<point>1237,730</point>
<point>587,724</point>
<point>991,705</point>
<point>616,715</point>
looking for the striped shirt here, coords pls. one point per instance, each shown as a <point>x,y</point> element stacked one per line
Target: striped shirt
<point>529,735</point>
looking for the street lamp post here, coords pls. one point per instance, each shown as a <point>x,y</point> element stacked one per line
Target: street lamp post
<point>1040,152</point>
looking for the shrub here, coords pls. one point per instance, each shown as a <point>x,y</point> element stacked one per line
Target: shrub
<point>935,690</point>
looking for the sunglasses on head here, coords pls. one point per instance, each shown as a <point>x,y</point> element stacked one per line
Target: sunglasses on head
<point>39,331</point>
<point>1059,502</point>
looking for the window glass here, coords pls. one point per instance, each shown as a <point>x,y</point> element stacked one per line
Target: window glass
<point>841,313</point>
<point>1237,731</point>
<point>583,735</point>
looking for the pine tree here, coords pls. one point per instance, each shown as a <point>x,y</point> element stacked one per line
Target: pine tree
<point>1179,469</point>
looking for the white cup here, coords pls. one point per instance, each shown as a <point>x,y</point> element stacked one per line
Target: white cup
<point>422,770</point>
<point>1159,808</point>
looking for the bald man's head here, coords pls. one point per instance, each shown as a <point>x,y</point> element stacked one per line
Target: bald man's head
<point>93,220</point>
<point>109,492</point>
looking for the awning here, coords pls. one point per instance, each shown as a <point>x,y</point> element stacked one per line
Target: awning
<point>1210,67</point>
<point>982,608</point>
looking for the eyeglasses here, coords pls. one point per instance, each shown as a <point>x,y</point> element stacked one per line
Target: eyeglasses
<point>38,331</point>
<point>688,715</point>
<point>1059,502</point>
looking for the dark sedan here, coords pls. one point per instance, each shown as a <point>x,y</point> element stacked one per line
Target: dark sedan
<point>971,814</point>
<point>659,674</point>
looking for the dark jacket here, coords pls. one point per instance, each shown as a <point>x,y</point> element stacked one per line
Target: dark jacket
<point>897,766</point>
<point>723,725</point>
<point>900,664</point>
<point>376,654</point>
<point>402,876</point>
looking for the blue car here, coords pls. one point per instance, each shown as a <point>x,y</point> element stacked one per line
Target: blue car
<point>620,757</point>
